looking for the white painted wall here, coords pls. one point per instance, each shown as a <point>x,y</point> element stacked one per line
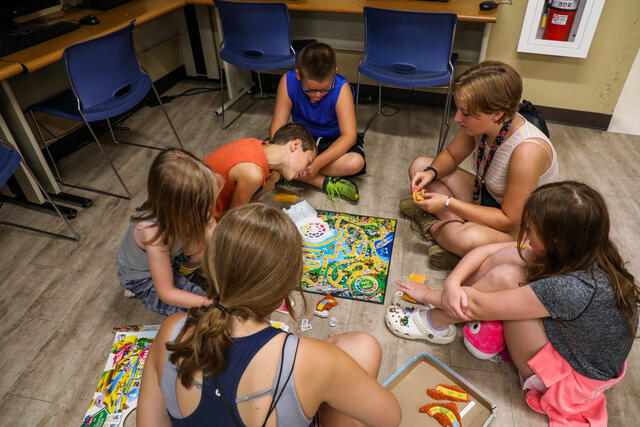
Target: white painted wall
<point>626,116</point>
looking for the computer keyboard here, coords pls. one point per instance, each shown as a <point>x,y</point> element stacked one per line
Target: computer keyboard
<point>24,38</point>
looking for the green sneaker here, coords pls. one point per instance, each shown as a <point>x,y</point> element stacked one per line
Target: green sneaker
<point>282,182</point>
<point>337,187</point>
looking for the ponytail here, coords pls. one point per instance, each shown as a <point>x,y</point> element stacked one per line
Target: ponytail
<point>203,343</point>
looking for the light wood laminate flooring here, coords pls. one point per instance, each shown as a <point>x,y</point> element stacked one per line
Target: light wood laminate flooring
<point>59,300</point>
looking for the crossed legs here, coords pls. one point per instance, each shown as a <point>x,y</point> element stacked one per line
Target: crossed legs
<point>452,232</point>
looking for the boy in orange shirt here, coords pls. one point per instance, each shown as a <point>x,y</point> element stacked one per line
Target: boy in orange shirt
<point>252,167</point>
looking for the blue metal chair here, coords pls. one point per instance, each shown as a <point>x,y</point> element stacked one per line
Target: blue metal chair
<point>255,36</point>
<point>10,159</point>
<point>409,49</point>
<point>106,80</point>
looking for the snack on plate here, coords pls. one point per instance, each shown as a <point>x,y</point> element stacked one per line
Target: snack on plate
<point>448,392</point>
<point>445,413</point>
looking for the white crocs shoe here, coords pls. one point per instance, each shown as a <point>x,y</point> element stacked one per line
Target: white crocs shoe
<point>407,323</point>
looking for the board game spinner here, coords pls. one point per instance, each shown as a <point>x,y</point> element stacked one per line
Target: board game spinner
<point>353,262</point>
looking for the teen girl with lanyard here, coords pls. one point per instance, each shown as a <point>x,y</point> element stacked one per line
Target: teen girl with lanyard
<point>225,365</point>
<point>460,210</point>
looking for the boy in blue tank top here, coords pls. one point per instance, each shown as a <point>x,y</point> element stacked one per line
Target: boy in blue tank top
<point>315,95</point>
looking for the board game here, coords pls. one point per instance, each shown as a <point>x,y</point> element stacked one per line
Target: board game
<point>348,255</point>
<point>117,392</point>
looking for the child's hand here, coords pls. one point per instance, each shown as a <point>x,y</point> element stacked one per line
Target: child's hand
<point>206,302</point>
<point>312,170</point>
<point>433,202</point>
<point>417,291</point>
<point>421,180</point>
<point>455,301</point>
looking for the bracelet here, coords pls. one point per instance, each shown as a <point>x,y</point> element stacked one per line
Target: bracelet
<point>434,170</point>
<point>446,204</point>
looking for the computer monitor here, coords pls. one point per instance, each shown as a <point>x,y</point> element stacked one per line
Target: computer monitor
<point>10,9</point>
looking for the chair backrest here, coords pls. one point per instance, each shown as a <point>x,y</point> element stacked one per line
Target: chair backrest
<point>103,68</point>
<point>9,161</point>
<point>403,40</point>
<point>255,29</point>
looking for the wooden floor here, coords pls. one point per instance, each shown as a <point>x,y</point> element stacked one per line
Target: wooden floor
<point>59,300</point>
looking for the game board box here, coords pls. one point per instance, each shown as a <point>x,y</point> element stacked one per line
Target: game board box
<point>410,383</point>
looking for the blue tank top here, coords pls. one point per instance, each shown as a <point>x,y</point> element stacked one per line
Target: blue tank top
<point>319,117</point>
<point>240,354</point>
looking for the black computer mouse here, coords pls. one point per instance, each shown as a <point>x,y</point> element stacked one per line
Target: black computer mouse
<point>89,20</point>
<point>488,5</point>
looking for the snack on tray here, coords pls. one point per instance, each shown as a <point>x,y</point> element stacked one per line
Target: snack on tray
<point>448,392</point>
<point>445,413</point>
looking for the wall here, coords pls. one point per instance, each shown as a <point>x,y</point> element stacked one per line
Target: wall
<point>592,84</point>
<point>625,116</point>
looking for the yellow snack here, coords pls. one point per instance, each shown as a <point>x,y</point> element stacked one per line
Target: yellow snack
<point>286,198</point>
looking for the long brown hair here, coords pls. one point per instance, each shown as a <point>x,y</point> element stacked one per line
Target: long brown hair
<point>490,87</point>
<point>252,263</point>
<point>182,193</point>
<point>572,221</point>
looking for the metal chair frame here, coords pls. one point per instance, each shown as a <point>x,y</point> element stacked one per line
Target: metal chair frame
<point>97,141</point>
<point>74,235</point>
<point>444,126</point>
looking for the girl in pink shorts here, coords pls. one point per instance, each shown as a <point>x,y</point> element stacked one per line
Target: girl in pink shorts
<point>560,299</point>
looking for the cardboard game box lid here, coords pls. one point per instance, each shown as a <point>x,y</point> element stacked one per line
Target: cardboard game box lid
<point>410,383</point>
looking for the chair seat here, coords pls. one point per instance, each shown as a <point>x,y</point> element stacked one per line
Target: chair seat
<point>257,63</point>
<point>417,78</point>
<point>9,161</point>
<point>65,104</point>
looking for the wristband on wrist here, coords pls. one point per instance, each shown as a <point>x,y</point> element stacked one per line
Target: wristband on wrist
<point>446,204</point>
<point>434,170</point>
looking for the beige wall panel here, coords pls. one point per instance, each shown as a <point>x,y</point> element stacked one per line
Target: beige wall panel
<point>592,84</point>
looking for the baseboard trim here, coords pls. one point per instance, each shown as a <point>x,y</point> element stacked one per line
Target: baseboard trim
<point>369,95</point>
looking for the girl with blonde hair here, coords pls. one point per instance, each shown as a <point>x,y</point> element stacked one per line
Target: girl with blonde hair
<point>225,365</point>
<point>164,243</point>
<point>463,210</point>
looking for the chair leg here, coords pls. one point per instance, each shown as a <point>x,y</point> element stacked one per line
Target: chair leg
<point>225,126</point>
<point>74,235</point>
<point>260,85</point>
<point>46,146</point>
<point>444,126</point>
<point>166,114</point>
<point>115,141</point>
<point>115,171</point>
<point>375,115</point>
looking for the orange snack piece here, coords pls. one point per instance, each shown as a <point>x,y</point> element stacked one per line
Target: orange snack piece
<point>416,194</point>
<point>408,298</point>
<point>445,413</point>
<point>448,392</point>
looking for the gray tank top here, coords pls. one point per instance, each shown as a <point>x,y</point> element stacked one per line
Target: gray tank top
<point>288,409</point>
<point>132,260</point>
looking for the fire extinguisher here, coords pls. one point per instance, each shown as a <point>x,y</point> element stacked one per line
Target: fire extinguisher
<point>560,16</point>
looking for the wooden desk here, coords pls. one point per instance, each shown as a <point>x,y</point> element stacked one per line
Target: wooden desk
<point>9,69</point>
<point>467,10</point>
<point>50,51</point>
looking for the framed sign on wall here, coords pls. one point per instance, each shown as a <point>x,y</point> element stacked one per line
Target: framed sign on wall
<point>560,27</point>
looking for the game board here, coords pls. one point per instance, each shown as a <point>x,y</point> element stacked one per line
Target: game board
<point>354,262</point>
<point>117,392</point>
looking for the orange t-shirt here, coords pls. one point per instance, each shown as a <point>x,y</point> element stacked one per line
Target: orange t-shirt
<point>224,158</point>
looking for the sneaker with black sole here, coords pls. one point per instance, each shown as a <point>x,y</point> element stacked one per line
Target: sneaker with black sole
<point>337,188</point>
